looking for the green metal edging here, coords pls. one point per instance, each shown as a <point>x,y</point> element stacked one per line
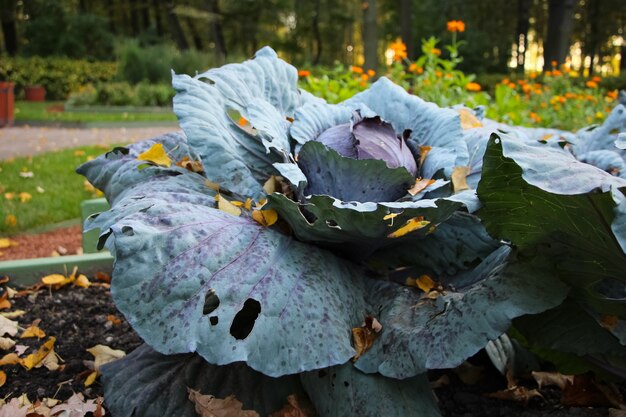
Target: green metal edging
<point>26,272</point>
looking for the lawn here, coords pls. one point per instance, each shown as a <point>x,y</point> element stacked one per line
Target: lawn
<point>43,189</point>
<point>53,111</point>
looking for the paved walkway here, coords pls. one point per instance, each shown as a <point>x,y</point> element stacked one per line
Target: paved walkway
<point>26,141</point>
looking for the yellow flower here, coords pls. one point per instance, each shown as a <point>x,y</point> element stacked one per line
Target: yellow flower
<point>473,87</point>
<point>399,50</point>
<point>599,115</point>
<point>455,26</point>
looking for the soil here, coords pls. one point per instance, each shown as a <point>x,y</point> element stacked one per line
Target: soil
<point>63,241</point>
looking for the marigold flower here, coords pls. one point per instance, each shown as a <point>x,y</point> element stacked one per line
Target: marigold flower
<point>597,79</point>
<point>612,94</point>
<point>591,84</point>
<point>371,73</point>
<point>455,26</point>
<point>473,87</point>
<point>399,50</point>
<point>532,75</point>
<point>536,118</point>
<point>356,69</point>
<point>436,51</point>
<point>365,77</point>
<point>511,85</point>
<point>304,73</point>
<point>556,73</point>
<point>438,74</point>
<point>548,73</point>
<point>554,63</point>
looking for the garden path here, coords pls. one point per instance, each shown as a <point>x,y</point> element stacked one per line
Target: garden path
<point>27,141</point>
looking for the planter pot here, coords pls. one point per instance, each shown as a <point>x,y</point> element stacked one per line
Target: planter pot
<point>7,102</point>
<point>35,93</point>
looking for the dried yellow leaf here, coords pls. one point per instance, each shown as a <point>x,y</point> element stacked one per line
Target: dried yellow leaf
<point>3,378</point>
<point>226,206</point>
<point>34,359</point>
<point>9,196</point>
<point>57,280</point>
<point>411,225</point>
<point>265,217</point>
<point>7,243</point>
<point>12,314</point>
<point>209,406</point>
<point>271,185</point>
<point>33,331</point>
<point>468,120</point>
<point>82,282</point>
<point>423,152</point>
<point>459,178</point>
<point>157,155</point>
<point>364,336</point>
<point>212,185</point>
<point>6,343</point>
<point>9,359</point>
<point>188,164</point>
<point>248,204</point>
<point>425,283</point>
<point>10,220</point>
<point>91,378</point>
<point>25,197</point>
<point>104,354</point>
<point>420,184</point>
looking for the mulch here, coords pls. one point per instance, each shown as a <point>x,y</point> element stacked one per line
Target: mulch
<point>62,241</point>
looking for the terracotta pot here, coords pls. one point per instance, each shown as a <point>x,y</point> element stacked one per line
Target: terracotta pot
<point>35,93</point>
<point>7,102</point>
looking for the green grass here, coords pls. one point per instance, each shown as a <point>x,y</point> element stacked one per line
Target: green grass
<point>52,111</point>
<point>63,189</point>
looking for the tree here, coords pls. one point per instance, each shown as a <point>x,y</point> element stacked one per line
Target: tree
<point>9,27</point>
<point>560,26</point>
<point>406,27</point>
<point>370,34</point>
<point>523,26</point>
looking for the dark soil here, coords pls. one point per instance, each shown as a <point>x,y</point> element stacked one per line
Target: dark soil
<point>77,317</point>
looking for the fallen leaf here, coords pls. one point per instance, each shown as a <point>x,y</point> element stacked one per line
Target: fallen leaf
<point>585,391</point>
<point>423,152</point>
<point>82,282</point>
<point>55,279</point>
<point>34,359</point>
<point>12,314</point>
<point>364,336</point>
<point>546,379</point>
<point>79,152</point>
<point>14,409</point>
<point>265,217</point>
<point>157,155</point>
<point>7,326</point>
<point>411,225</point>
<point>212,185</point>
<point>104,354</point>
<point>51,361</point>
<point>33,331</point>
<point>5,304</point>
<point>4,280</point>
<point>11,292</point>
<point>75,406</point>
<point>9,196</point>
<point>425,283</point>
<point>609,321</point>
<point>91,378</point>
<point>7,243</point>
<point>420,184</point>
<point>40,189</point>
<point>226,206</point>
<point>459,178</point>
<point>10,359</point>
<point>188,164</point>
<point>468,120</point>
<point>27,174</point>
<point>293,409</point>
<point>6,343</point>
<point>20,349</point>
<point>102,276</point>
<point>114,320</point>
<point>271,185</point>
<point>25,197</point>
<point>517,394</point>
<point>10,220</point>
<point>3,378</point>
<point>209,406</point>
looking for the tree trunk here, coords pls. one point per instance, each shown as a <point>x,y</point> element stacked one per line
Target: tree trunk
<point>9,27</point>
<point>158,23</point>
<point>592,40</point>
<point>523,25</point>
<point>217,33</point>
<point>176,28</point>
<point>195,36</point>
<point>370,35</point>
<point>315,24</point>
<point>134,18</point>
<point>560,26</point>
<point>406,27</point>
<point>622,62</point>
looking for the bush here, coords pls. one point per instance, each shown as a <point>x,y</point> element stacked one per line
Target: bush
<point>59,76</point>
<point>154,63</point>
<point>123,94</point>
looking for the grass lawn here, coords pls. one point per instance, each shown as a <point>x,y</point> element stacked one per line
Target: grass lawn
<point>53,111</point>
<point>55,190</point>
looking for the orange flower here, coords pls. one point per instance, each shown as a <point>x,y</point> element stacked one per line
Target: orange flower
<point>399,50</point>
<point>371,73</point>
<point>591,84</point>
<point>438,74</point>
<point>436,51</point>
<point>356,69</point>
<point>536,118</point>
<point>304,73</point>
<point>365,77</point>
<point>612,94</point>
<point>597,79</point>
<point>533,75</point>
<point>548,73</point>
<point>554,64</point>
<point>511,85</point>
<point>557,73</point>
<point>455,26</point>
<point>242,121</point>
<point>473,87</point>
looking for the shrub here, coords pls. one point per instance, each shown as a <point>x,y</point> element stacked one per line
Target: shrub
<point>60,76</point>
<point>123,94</point>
